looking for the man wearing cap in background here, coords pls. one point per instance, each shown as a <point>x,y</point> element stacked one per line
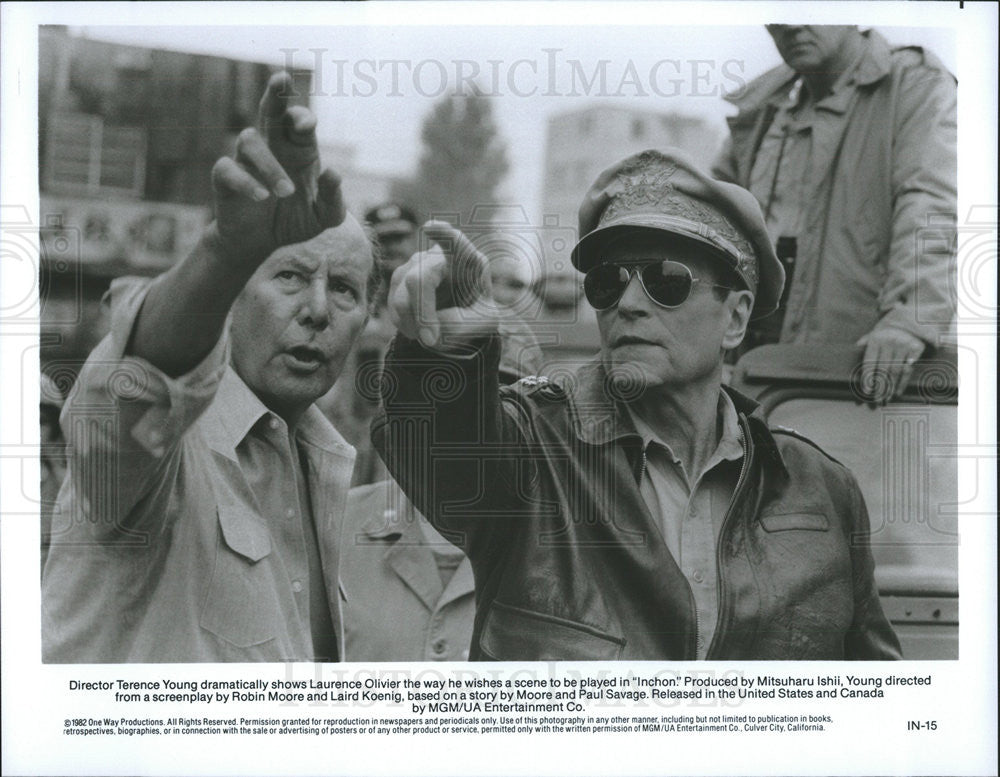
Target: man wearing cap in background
<point>641,510</point>
<point>395,226</point>
<point>351,403</point>
<point>849,147</point>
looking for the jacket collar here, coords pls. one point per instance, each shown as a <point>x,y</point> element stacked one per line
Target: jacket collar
<point>598,418</point>
<point>876,59</point>
<point>874,64</point>
<point>236,410</point>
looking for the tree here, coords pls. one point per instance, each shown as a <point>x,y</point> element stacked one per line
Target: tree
<point>463,162</point>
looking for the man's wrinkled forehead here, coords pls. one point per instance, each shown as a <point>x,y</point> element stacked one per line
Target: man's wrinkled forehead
<point>338,244</point>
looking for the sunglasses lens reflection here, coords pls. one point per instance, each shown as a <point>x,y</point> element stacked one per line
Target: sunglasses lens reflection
<point>667,284</point>
<point>605,284</point>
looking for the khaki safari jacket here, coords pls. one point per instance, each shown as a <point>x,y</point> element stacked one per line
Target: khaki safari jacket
<point>878,240</point>
<point>538,484</point>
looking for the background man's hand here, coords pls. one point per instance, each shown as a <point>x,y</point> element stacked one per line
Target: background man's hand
<point>272,193</point>
<point>441,296</point>
<point>888,361</point>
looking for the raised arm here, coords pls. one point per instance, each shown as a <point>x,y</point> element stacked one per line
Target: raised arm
<point>271,194</point>
<point>153,376</point>
<point>443,433</point>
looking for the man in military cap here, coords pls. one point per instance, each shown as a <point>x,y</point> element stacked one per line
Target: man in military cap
<point>395,227</point>
<point>641,510</point>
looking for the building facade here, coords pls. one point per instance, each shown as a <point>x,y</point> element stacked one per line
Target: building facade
<point>581,143</point>
<point>127,139</point>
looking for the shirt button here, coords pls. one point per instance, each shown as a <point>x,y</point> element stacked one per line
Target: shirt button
<point>297,586</point>
<point>699,577</point>
<point>439,646</point>
<point>274,423</point>
<point>694,512</point>
<point>290,512</point>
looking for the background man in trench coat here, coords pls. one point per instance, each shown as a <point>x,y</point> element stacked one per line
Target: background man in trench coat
<point>850,149</point>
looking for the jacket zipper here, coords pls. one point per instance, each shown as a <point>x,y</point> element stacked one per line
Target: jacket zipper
<point>691,601</point>
<point>747,461</point>
<point>690,592</point>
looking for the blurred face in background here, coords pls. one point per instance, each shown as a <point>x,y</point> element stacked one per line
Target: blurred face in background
<point>511,279</point>
<point>397,248</point>
<point>811,49</point>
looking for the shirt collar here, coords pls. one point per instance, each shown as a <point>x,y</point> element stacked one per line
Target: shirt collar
<point>730,445</point>
<point>875,62</point>
<point>598,419</point>
<point>864,70</point>
<point>236,410</point>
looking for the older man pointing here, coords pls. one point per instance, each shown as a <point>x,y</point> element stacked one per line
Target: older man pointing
<point>205,490</point>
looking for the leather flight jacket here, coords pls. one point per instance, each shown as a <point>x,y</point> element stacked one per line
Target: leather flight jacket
<point>538,483</point>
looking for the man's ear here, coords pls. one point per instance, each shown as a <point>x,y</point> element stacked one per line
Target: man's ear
<point>740,304</point>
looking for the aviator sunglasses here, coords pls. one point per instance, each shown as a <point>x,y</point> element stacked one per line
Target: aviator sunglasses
<point>667,283</point>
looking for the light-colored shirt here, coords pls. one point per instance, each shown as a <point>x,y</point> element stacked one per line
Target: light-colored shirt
<point>399,605</point>
<point>782,174</point>
<point>692,507</point>
<point>183,536</point>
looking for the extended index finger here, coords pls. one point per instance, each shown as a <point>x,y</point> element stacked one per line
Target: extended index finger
<point>290,129</point>
<point>467,265</point>
<point>454,244</point>
<point>277,97</point>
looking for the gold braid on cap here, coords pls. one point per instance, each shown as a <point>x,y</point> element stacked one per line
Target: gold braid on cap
<point>651,190</point>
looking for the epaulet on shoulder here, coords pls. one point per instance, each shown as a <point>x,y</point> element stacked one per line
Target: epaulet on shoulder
<point>538,384</point>
<point>917,55</point>
<point>776,430</point>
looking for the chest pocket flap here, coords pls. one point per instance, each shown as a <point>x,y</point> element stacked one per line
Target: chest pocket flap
<point>243,533</point>
<point>514,634</point>
<point>809,521</point>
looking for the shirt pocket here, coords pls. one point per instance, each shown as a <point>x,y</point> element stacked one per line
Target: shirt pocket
<point>514,634</point>
<point>241,606</point>
<point>802,521</point>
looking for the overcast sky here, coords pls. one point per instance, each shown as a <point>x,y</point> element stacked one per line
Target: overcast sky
<point>374,84</point>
